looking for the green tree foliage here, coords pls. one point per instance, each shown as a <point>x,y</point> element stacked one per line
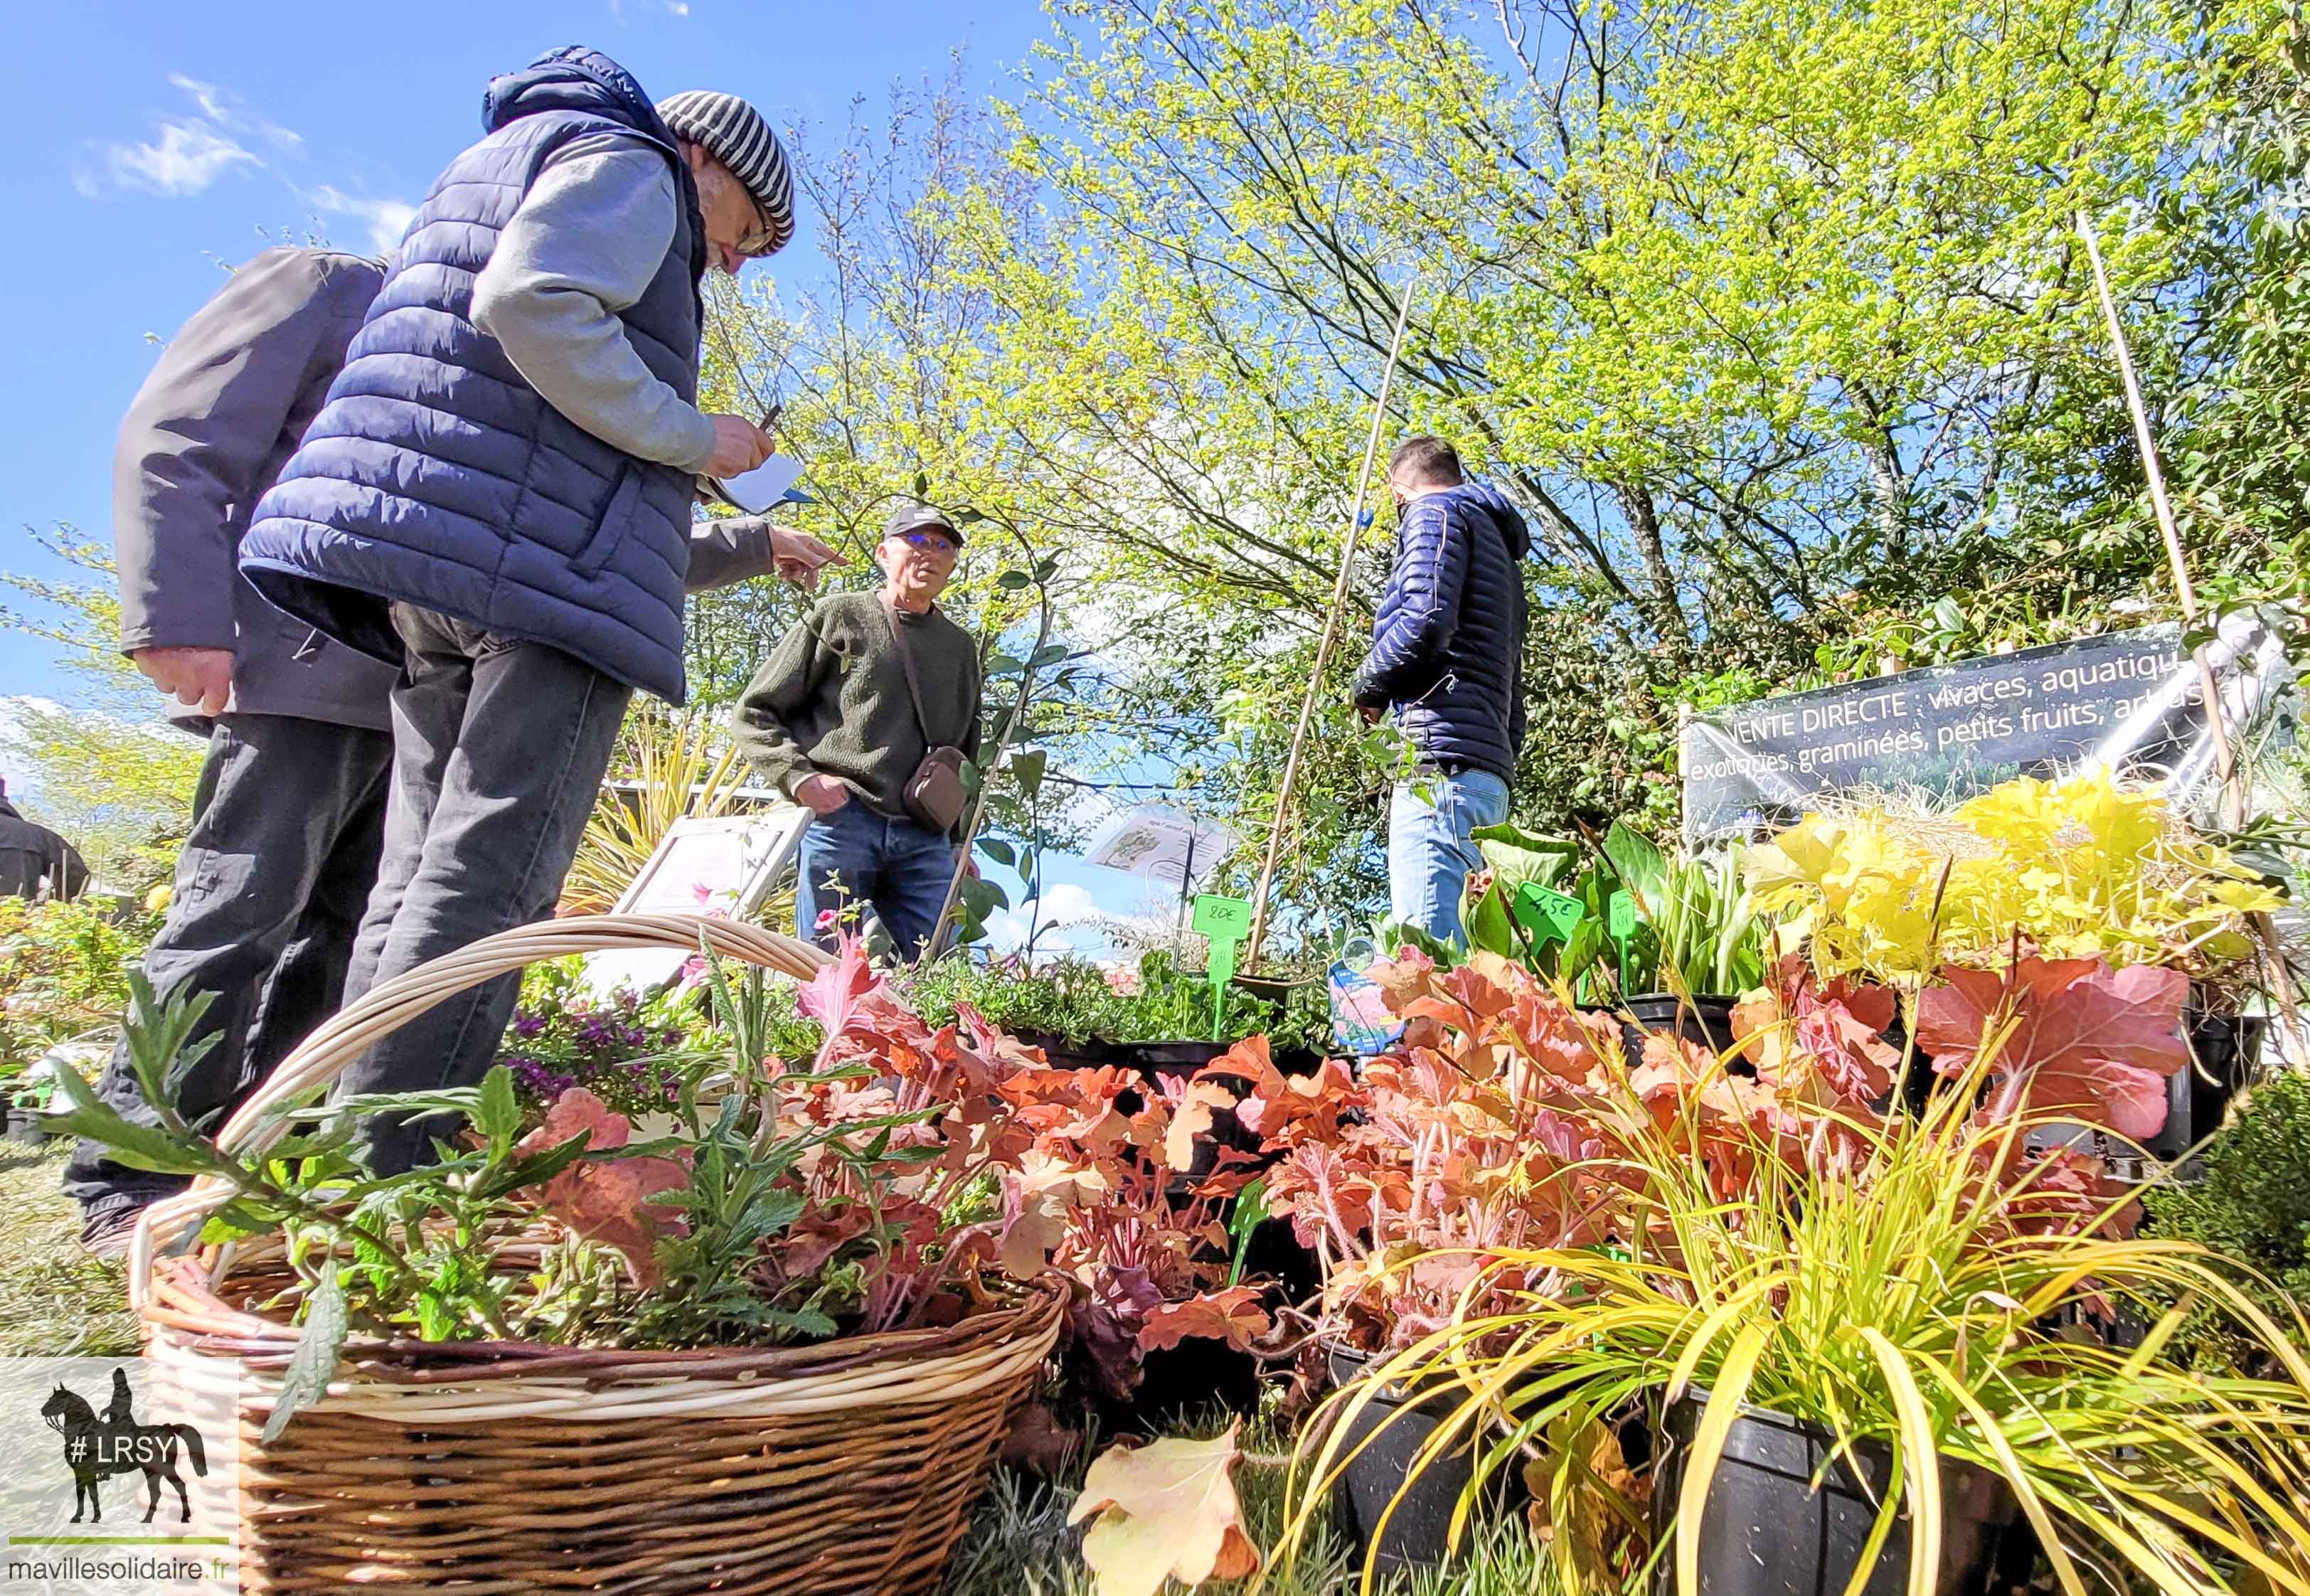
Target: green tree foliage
<point>1774,319</point>
<point>112,774</point>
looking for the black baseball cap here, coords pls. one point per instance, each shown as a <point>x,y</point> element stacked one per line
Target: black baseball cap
<point>920,518</point>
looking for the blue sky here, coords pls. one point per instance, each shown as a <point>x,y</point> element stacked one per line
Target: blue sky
<point>161,143</point>
<point>164,142</point>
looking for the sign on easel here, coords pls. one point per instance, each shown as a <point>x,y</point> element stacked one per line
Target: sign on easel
<point>2131,700</point>
<point>723,865</point>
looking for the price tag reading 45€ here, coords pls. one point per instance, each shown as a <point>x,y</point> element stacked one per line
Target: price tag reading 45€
<point>1547,914</point>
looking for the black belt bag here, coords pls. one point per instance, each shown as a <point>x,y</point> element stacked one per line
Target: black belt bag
<point>935,793</point>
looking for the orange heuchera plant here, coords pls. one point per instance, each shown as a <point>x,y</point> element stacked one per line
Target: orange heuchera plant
<point>1506,1121</point>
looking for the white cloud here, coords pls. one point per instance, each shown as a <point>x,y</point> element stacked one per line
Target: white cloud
<point>387,219</point>
<point>227,109</point>
<point>1064,905</point>
<point>188,156</point>
<point>189,152</point>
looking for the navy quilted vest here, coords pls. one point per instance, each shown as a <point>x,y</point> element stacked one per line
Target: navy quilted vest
<point>435,475</point>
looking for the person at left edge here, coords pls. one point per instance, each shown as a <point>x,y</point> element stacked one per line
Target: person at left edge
<point>288,814</point>
<point>35,862</point>
<point>497,497</point>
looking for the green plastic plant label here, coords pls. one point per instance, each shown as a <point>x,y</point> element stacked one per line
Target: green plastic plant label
<point>1548,915</point>
<point>1225,920</point>
<point>1620,916</point>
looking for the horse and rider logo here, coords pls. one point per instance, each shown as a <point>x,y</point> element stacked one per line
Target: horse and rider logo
<point>99,1446</point>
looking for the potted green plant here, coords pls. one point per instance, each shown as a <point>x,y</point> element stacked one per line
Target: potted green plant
<point>1149,1015</point>
<point>1845,1321</point>
<point>821,1229</point>
<point>1669,941</point>
<point>2087,866</point>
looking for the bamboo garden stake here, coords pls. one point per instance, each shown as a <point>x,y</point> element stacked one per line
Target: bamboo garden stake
<point>1330,636</point>
<point>2234,793</point>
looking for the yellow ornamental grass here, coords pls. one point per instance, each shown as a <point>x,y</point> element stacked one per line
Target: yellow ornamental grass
<point>2082,866</point>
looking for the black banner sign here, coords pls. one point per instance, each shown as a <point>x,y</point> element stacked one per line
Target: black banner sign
<point>2131,698</point>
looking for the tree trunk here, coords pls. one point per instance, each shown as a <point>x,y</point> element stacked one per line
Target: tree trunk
<point>1645,526</point>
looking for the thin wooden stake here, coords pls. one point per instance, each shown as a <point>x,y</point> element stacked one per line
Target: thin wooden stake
<point>1323,647</point>
<point>2234,792</point>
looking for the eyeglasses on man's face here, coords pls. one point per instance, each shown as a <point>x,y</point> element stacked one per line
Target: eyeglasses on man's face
<point>929,542</point>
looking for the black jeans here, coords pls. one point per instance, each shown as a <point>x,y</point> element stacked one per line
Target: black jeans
<point>498,751</point>
<point>270,887</point>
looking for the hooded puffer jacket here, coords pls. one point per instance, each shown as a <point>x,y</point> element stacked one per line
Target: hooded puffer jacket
<point>436,476</point>
<point>1448,649</point>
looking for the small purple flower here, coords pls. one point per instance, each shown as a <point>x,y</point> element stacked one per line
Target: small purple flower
<point>529,1025</point>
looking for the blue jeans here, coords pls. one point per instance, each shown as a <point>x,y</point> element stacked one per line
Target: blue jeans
<point>897,868</point>
<point>1428,851</point>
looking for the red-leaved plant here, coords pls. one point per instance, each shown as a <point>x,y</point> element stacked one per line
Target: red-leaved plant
<point>1506,1121</point>
<point>1462,1141</point>
<point>1110,1194</point>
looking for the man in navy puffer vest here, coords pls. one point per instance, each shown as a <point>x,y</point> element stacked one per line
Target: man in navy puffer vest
<point>1447,656</point>
<point>497,497</point>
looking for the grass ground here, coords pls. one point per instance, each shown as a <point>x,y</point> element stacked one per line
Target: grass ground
<point>1019,1544</point>
<point>57,1298</point>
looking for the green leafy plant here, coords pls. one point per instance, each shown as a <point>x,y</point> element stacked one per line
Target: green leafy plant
<point>1896,1281</point>
<point>64,972</point>
<point>1082,1002</point>
<point>1641,919</point>
<point>2253,1204</point>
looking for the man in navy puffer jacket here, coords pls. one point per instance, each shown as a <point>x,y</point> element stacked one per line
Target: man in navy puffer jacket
<point>1447,656</point>
<point>495,497</point>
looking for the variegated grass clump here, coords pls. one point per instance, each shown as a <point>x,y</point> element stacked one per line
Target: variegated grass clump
<point>1907,1288</point>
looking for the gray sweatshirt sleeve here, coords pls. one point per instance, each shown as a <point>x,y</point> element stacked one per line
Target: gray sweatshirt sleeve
<point>590,234</point>
<point>197,446</point>
<point>725,552</point>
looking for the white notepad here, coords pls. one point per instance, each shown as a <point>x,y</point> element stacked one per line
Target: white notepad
<point>756,490</point>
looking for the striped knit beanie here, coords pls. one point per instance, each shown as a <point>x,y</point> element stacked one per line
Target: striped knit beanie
<point>735,134</point>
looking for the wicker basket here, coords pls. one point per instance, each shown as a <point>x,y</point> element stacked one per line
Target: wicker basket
<point>848,1467</point>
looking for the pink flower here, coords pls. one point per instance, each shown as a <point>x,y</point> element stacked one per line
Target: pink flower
<point>703,893</point>
<point>828,919</point>
<point>1123,981</point>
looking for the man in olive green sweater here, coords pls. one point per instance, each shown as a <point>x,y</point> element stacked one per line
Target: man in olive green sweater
<point>830,719</point>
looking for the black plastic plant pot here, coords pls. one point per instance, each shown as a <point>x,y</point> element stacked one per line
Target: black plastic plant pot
<point>1417,1534</point>
<point>2226,1057</point>
<point>1180,1385</point>
<point>1065,1055</point>
<point>1168,1058</point>
<point>1275,989</point>
<point>1705,1019</point>
<point>1767,1531</point>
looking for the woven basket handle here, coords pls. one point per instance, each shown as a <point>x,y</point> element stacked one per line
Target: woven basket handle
<point>321,1057</point>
